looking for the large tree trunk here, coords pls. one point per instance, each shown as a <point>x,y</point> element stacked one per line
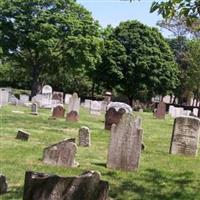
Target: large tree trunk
<point>130,99</point>
<point>34,82</point>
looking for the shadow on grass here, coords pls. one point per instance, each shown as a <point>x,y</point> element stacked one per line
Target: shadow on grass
<point>99,164</point>
<point>14,193</point>
<point>156,185</point>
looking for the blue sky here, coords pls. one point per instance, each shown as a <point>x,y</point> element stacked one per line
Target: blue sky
<point>114,11</point>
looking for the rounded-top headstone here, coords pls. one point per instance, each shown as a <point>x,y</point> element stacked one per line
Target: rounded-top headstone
<point>46,89</point>
<point>120,105</point>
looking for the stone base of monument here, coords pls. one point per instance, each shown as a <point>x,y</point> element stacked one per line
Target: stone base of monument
<point>3,184</point>
<point>22,135</point>
<point>87,186</point>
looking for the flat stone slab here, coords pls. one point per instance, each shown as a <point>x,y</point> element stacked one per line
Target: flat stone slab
<point>87,186</point>
<point>22,135</point>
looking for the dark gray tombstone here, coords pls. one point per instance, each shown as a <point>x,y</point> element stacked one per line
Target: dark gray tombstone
<point>87,186</point>
<point>3,184</point>
<point>22,135</point>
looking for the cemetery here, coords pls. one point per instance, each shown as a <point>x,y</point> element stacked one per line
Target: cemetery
<point>99,100</point>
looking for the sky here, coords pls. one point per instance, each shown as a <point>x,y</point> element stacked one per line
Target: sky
<point>114,11</point>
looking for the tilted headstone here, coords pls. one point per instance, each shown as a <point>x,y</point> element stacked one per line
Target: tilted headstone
<point>185,136</point>
<point>84,137</point>
<point>34,109</point>
<point>95,108</point>
<point>62,153</point>
<point>125,144</point>
<point>73,108</point>
<point>67,98</point>
<point>161,110</point>
<point>22,135</point>
<point>3,184</point>
<point>87,103</point>
<point>58,112</point>
<point>114,113</point>
<point>58,96</point>
<point>87,186</point>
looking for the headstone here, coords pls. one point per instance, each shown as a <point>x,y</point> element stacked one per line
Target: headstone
<point>23,98</point>
<point>87,103</point>
<point>34,109</point>
<point>114,113</point>
<point>58,96</point>
<point>4,96</point>
<point>62,154</point>
<point>125,144</point>
<point>47,96</point>
<point>95,108</point>
<point>3,184</point>
<point>73,108</point>
<point>107,97</point>
<point>177,112</point>
<point>13,100</point>
<point>84,137</point>
<point>185,136</point>
<point>171,109</point>
<point>67,97</point>
<point>195,111</point>
<point>58,112</point>
<point>87,186</point>
<point>161,110</point>
<point>22,135</point>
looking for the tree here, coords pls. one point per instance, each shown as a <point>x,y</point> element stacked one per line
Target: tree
<point>36,34</point>
<point>146,67</point>
<point>187,8</point>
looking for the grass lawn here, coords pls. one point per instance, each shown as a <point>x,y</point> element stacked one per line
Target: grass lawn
<point>160,175</point>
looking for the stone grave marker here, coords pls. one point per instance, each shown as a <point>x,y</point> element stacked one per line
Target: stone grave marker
<point>3,184</point>
<point>84,137</point>
<point>87,103</point>
<point>61,153</point>
<point>73,108</point>
<point>114,113</point>
<point>47,96</point>
<point>22,135</point>
<point>161,110</point>
<point>58,112</point>
<point>34,109</point>
<point>95,108</point>
<point>185,136</point>
<point>67,98</point>
<point>58,96</point>
<point>87,186</point>
<point>125,144</point>
<point>4,96</point>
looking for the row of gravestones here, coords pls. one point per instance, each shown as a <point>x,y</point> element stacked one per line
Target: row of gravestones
<point>175,112</point>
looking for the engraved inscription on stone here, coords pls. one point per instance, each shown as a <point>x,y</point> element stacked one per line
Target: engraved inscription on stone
<point>125,144</point>
<point>84,136</point>
<point>185,136</point>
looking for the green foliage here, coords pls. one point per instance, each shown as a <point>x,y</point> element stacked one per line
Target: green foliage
<point>148,67</point>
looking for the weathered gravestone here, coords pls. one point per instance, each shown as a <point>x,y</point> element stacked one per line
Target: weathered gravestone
<point>185,136</point>
<point>58,112</point>
<point>161,110</point>
<point>114,113</point>
<point>73,108</point>
<point>84,137</point>
<point>23,98</point>
<point>95,108</point>
<point>3,184</point>
<point>125,144</point>
<point>67,98</point>
<point>87,186</point>
<point>4,96</point>
<point>22,135</point>
<point>87,103</point>
<point>58,96</point>
<point>47,96</point>
<point>34,109</point>
<point>62,153</point>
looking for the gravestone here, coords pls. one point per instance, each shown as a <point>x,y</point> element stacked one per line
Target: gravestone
<point>4,96</point>
<point>13,100</point>
<point>161,110</point>
<point>87,103</point>
<point>61,154</point>
<point>23,98</point>
<point>22,135</point>
<point>95,108</point>
<point>87,186</point>
<point>185,136</point>
<point>34,109</point>
<point>84,137</point>
<point>73,108</point>
<point>114,113</point>
<point>58,96</point>
<point>125,144</point>
<point>58,112</point>
<point>47,96</point>
<point>3,184</point>
<point>67,97</point>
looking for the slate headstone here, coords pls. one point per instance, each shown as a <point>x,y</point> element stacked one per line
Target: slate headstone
<point>22,135</point>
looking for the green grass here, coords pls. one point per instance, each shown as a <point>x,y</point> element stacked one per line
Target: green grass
<point>160,175</point>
